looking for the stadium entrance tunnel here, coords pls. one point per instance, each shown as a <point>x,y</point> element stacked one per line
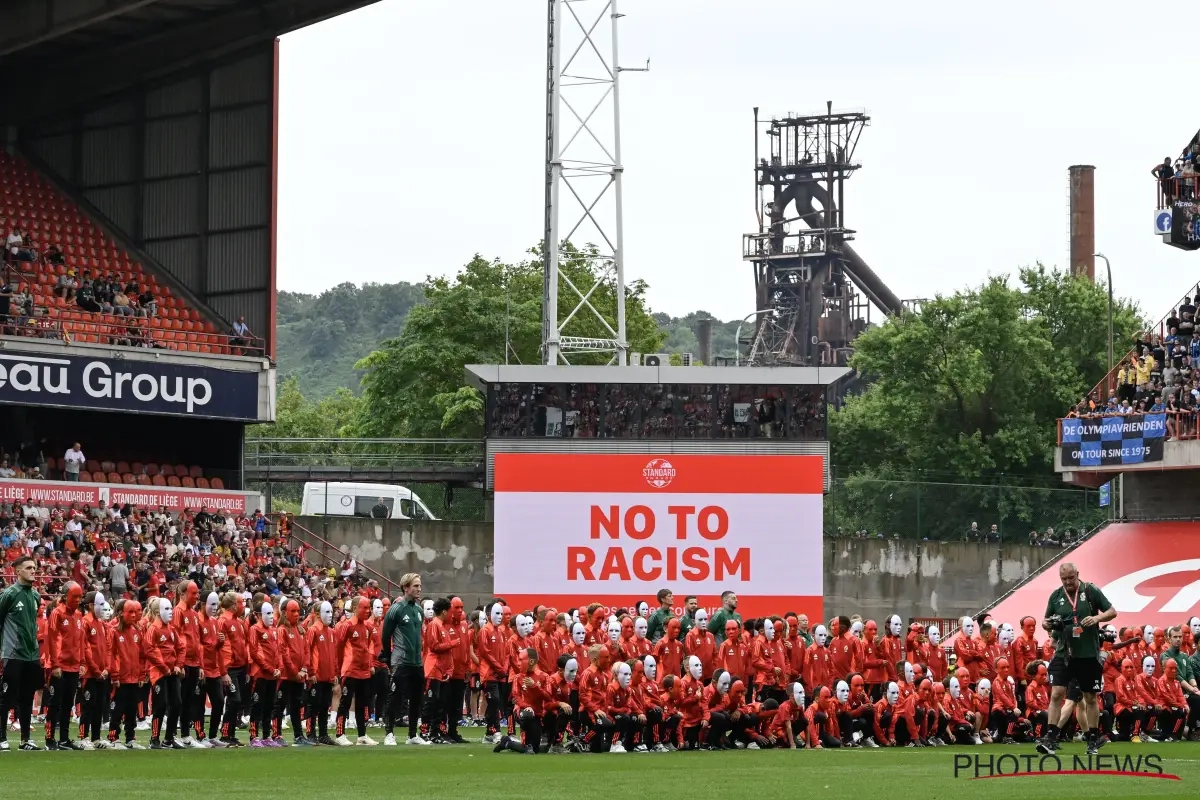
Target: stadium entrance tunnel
<point>123,448</point>
<point>1150,571</point>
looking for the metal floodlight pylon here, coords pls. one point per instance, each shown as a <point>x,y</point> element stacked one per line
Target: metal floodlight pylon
<point>583,156</point>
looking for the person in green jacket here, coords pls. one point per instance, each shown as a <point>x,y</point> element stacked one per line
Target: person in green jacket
<point>727,611</point>
<point>688,620</point>
<point>401,650</point>
<point>1186,675</point>
<point>656,628</point>
<point>19,651</point>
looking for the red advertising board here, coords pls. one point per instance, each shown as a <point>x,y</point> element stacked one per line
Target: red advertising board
<point>65,493</point>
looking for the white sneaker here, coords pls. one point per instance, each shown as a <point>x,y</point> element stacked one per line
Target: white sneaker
<point>187,741</point>
<point>103,745</point>
<point>343,741</point>
<point>286,724</point>
<point>195,744</point>
<point>617,747</point>
<point>417,740</point>
<point>978,740</point>
<point>135,746</point>
<point>752,746</point>
<point>367,740</point>
<point>86,744</point>
<point>490,738</point>
<point>4,747</point>
<point>144,725</point>
<point>661,748</point>
<point>641,748</point>
<point>390,740</point>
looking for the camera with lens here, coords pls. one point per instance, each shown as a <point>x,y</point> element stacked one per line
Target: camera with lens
<point>1108,636</point>
<point>1060,624</point>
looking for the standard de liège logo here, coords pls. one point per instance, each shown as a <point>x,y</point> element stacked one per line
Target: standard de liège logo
<point>659,473</point>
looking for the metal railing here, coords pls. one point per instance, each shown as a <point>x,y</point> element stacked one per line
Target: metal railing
<point>324,548</point>
<point>1180,424</point>
<point>364,453</point>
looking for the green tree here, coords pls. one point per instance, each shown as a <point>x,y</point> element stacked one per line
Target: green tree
<point>413,384</point>
<point>297,417</point>
<point>968,390</point>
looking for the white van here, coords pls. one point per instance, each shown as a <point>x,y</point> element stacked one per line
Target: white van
<point>357,500</point>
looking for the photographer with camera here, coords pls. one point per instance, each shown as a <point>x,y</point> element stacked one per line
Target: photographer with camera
<point>1074,614</point>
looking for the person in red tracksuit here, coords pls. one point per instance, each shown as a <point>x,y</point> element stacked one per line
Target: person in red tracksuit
<point>439,664</point>
<point>1037,697</point>
<point>127,667</point>
<point>619,704</point>
<point>354,655</point>
<point>794,650</point>
<point>733,655</point>
<point>266,666</point>
<point>934,655</point>
<point>491,647</point>
<point>186,622</point>
<point>1175,707</point>
<point>770,675</point>
<point>692,705</point>
<point>593,688</point>
<point>818,668</point>
<point>323,670</point>
<point>875,673</point>
<point>458,630</point>
<point>214,673</point>
<point>844,652</point>
<point>294,652</point>
<point>821,716</point>
<point>233,632</point>
<point>65,644</point>
<point>668,653</point>
<point>531,694</point>
<point>96,687</point>
<point>1128,710</point>
<point>1147,690</point>
<point>546,641</point>
<point>966,650</point>
<point>164,652</point>
<point>787,728</point>
<point>560,710</point>
<point>703,645</point>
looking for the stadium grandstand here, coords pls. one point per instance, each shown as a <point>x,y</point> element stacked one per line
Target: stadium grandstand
<point>1177,213</point>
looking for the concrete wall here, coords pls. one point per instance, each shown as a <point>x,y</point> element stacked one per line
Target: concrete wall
<point>872,577</point>
<point>1166,494</point>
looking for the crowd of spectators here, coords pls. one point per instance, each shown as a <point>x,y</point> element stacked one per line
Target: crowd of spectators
<point>127,551</point>
<point>656,411</point>
<point>1177,178</point>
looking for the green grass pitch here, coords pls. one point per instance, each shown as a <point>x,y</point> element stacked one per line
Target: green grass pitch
<point>473,771</point>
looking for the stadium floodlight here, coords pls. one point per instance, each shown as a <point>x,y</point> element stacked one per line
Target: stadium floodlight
<point>583,171</point>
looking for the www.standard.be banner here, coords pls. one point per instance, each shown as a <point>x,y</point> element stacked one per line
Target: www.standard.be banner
<point>1112,441</point>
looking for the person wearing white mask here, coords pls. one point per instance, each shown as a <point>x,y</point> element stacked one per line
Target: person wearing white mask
<point>97,688</point>
<point>213,672</point>
<point>162,649</point>
<point>323,652</point>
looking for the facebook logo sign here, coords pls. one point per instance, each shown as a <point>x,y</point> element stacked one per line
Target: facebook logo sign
<point>1162,222</point>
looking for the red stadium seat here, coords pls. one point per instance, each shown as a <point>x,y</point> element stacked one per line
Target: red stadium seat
<point>143,480</point>
<point>137,468</point>
<point>123,467</point>
<point>114,477</point>
<point>195,471</point>
<point>158,480</point>
<point>217,483</point>
<point>107,466</point>
<point>92,465</point>
<point>202,483</point>
<point>152,469</point>
<point>181,470</point>
<point>85,476</point>
<point>129,478</point>
<point>187,482</point>
<point>172,481</point>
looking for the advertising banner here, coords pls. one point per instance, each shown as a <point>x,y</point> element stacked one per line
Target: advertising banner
<point>140,387</point>
<point>573,529</point>
<point>1147,570</point>
<point>1112,441</point>
<point>66,493</point>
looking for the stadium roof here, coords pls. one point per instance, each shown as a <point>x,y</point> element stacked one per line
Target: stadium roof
<point>53,52</point>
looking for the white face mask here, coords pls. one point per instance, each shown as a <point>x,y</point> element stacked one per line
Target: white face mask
<point>908,672</point>
<point>856,629</point>
<point>701,617</point>
<point>1148,634</point>
<point>985,687</point>
<point>695,668</point>
<point>1148,666</point>
<point>894,625</point>
<point>165,612</point>
<point>769,630</point>
<point>496,614</point>
<point>650,666</point>
<point>578,633</point>
<point>427,608</point>
<point>268,614</point>
<point>935,636</point>
<point>968,626</point>
<point>571,670</point>
<point>624,675</point>
<point>955,688</point>
<point>1194,624</point>
<point>326,613</point>
<point>98,606</point>
<point>575,617</point>
<point>643,610</point>
<point>821,635</point>
<point>106,612</point>
<point>843,692</point>
<point>1004,626</point>
<point>893,694</point>
<point>525,627</point>
<point>640,627</point>
<point>377,609</point>
<point>798,694</point>
<point>614,631</point>
<point>1006,637</point>
<point>723,683</point>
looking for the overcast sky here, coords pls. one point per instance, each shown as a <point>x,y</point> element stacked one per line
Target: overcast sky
<point>411,138</point>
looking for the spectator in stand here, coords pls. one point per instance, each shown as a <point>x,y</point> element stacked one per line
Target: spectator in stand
<point>6,294</point>
<point>66,285</point>
<point>121,305</point>
<point>147,303</point>
<point>241,333</point>
<point>973,533</point>
<point>1165,174</point>
<point>5,470</point>
<point>54,256</point>
<point>73,460</point>
<point>13,248</point>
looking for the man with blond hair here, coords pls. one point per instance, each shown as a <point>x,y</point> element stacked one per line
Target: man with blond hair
<point>402,629</point>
